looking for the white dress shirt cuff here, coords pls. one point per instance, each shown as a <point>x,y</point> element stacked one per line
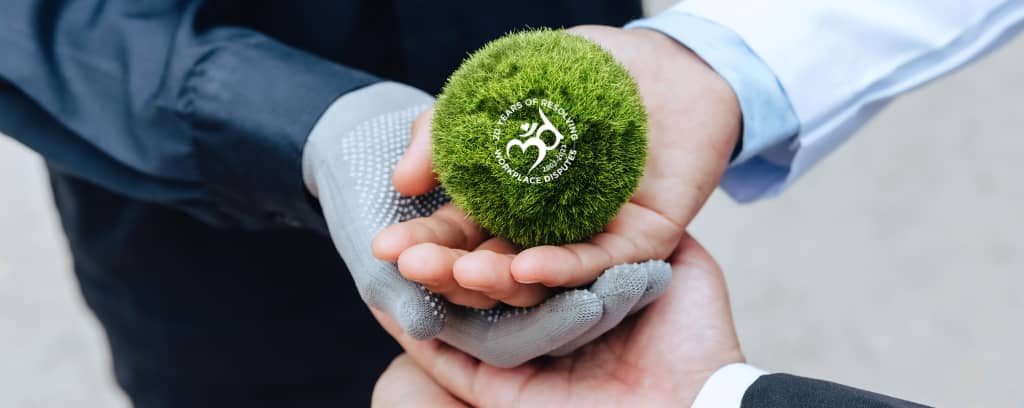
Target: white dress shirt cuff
<point>841,62</point>
<point>725,388</point>
<point>768,118</point>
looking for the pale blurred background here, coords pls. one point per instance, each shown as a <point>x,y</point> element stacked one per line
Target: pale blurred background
<point>896,265</point>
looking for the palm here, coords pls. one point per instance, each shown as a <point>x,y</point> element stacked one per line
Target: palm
<point>693,125</point>
<point>659,358</point>
<point>693,122</point>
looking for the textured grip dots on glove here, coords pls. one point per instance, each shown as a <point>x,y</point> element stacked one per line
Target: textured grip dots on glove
<point>347,164</point>
<point>372,150</point>
<point>508,336</point>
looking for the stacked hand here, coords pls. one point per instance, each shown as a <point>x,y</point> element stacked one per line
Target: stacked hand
<point>347,163</point>
<point>693,127</point>
<point>694,123</point>
<point>660,357</point>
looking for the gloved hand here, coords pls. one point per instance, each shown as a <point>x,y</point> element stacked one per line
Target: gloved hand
<point>347,164</point>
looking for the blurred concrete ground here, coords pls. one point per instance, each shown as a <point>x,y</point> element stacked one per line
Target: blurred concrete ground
<point>896,265</point>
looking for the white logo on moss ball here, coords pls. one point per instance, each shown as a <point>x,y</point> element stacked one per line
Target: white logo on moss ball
<point>551,166</point>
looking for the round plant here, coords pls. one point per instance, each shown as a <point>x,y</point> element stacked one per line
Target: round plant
<point>540,136</point>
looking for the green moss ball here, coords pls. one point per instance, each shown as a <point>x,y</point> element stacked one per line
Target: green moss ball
<point>540,136</point>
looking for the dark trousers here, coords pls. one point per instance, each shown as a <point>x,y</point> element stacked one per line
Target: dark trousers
<point>204,317</point>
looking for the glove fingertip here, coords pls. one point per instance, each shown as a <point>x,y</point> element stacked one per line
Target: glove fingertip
<point>620,281</point>
<point>659,276</point>
<point>576,312</point>
<point>619,288</point>
<point>422,317</point>
<point>580,306</point>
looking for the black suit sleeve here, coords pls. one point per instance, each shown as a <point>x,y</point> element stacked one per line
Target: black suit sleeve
<point>784,390</point>
<point>145,99</point>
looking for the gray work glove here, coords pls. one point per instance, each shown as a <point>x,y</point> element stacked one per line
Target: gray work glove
<point>347,164</point>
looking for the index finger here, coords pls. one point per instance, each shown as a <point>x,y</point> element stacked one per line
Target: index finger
<point>448,227</point>
<point>636,234</point>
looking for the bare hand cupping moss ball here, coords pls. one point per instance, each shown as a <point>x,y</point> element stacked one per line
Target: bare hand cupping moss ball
<point>540,136</point>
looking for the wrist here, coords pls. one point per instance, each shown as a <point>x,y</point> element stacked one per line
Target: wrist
<point>682,73</point>
<point>768,119</point>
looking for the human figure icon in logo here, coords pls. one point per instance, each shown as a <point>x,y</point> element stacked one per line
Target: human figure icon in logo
<point>533,139</point>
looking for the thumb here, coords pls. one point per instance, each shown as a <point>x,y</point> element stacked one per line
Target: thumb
<point>414,174</point>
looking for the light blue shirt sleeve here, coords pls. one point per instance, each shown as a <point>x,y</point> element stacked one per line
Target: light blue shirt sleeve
<point>769,120</point>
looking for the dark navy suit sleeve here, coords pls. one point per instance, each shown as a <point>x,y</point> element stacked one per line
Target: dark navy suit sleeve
<point>785,390</point>
<point>138,98</point>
